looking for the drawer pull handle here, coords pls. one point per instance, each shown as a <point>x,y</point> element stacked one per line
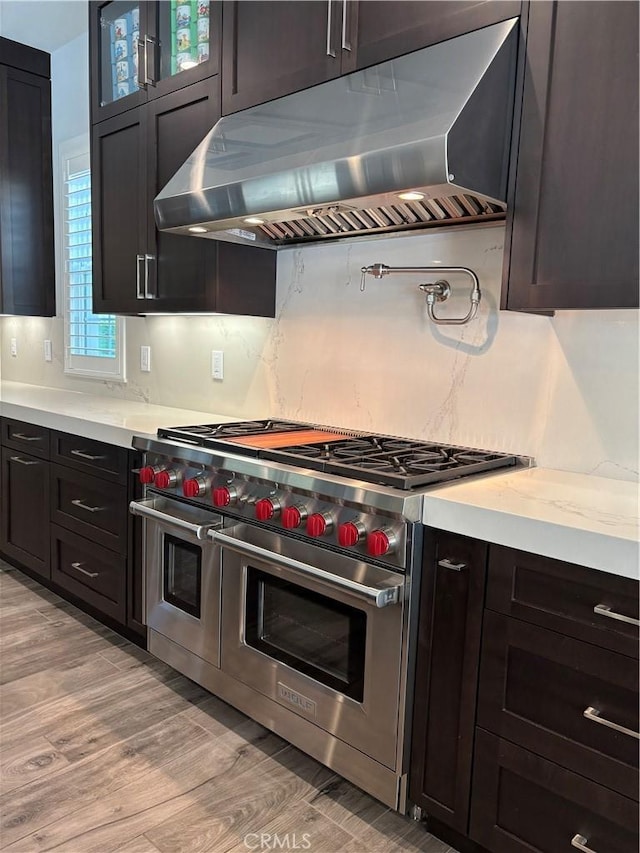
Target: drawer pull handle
<point>83,505</point>
<point>580,842</point>
<point>84,455</point>
<point>23,461</point>
<point>449,564</point>
<point>78,567</point>
<point>603,610</point>
<point>22,437</point>
<point>594,715</point>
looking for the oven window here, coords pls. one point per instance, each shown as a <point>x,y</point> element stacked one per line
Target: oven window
<point>182,571</point>
<point>311,633</point>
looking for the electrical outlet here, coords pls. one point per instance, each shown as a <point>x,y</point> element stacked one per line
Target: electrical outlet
<point>13,344</point>
<point>217,364</point>
<point>48,353</point>
<point>145,359</point>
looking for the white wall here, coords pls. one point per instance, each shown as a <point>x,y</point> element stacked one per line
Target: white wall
<point>562,389</point>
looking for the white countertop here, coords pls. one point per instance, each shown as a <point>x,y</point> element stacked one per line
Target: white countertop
<point>105,419</point>
<point>579,518</point>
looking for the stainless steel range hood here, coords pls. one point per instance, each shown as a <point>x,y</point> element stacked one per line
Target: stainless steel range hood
<point>332,161</point>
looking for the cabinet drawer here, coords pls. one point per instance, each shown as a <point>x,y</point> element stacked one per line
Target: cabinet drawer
<point>26,437</point>
<point>90,506</point>
<point>104,460</point>
<point>564,597</point>
<point>93,574</point>
<point>535,687</point>
<point>522,804</point>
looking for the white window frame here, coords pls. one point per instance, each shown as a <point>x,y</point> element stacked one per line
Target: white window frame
<point>91,367</point>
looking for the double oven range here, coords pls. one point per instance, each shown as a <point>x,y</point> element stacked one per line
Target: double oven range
<point>282,567</point>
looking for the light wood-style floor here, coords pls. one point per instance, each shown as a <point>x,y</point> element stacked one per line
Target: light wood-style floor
<point>104,748</point>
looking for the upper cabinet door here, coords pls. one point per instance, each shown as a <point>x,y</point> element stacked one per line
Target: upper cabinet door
<point>572,229</point>
<point>117,56</point>
<point>27,283</point>
<point>374,31</point>
<point>270,49</point>
<point>142,50</point>
<point>182,44</point>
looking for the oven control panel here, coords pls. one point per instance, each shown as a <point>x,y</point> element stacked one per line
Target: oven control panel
<point>365,535</point>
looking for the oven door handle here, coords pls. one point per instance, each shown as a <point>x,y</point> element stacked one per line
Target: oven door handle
<point>371,595</point>
<point>145,510</point>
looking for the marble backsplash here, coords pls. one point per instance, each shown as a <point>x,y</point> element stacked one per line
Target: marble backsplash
<point>563,389</point>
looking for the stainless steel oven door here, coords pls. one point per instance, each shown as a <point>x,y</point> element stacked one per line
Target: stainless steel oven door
<point>182,574</point>
<point>318,632</point>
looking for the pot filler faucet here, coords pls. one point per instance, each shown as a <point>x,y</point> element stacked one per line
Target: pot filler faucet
<point>439,291</point>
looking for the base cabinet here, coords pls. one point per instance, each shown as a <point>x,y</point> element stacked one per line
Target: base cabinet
<point>64,516</point>
<point>527,674</point>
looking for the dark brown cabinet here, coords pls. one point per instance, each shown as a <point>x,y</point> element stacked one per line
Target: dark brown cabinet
<point>64,516</point>
<point>142,50</point>
<point>138,269</point>
<point>525,727</point>
<point>378,30</point>
<point>451,606</point>
<point>24,520</point>
<point>27,283</point>
<point>302,44</point>
<point>572,226</point>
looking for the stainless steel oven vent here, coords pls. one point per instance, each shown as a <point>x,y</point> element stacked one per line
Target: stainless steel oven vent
<point>340,159</point>
<point>342,221</point>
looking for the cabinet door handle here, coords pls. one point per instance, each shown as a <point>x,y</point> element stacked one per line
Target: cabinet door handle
<point>594,715</point>
<point>150,51</point>
<point>449,564</point>
<point>142,63</point>
<point>78,567</point>
<point>148,259</point>
<point>330,49</point>
<point>139,287</point>
<point>23,461</point>
<point>22,437</point>
<point>604,610</point>
<point>580,842</point>
<point>346,43</point>
<point>80,503</point>
<point>84,455</point>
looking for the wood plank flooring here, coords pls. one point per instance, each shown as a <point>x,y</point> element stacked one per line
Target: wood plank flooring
<point>103,748</point>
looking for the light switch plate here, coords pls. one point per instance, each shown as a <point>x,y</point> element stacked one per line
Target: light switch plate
<point>145,359</point>
<point>48,352</point>
<point>217,364</point>
<point>13,345</point>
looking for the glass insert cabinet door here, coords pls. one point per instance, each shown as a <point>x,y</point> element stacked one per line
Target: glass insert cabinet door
<point>121,46</point>
<point>184,34</point>
<point>147,49</point>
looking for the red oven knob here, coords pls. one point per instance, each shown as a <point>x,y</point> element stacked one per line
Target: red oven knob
<point>166,479</point>
<point>350,533</point>
<point>267,508</point>
<point>319,523</point>
<point>195,487</point>
<point>147,474</point>
<point>380,542</point>
<point>224,495</point>
<point>293,516</point>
